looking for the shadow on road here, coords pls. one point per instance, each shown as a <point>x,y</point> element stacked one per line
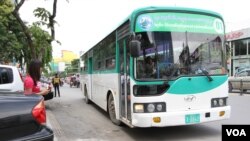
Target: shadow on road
<point>179,133</point>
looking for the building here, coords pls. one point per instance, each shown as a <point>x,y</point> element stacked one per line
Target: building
<point>239,42</point>
<point>60,63</point>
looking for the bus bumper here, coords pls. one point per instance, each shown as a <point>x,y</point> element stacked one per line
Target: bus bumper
<point>180,118</point>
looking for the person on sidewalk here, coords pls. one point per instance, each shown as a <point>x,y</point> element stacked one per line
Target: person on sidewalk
<point>31,81</point>
<point>56,83</point>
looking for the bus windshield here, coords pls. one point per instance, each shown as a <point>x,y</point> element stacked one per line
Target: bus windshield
<point>169,55</point>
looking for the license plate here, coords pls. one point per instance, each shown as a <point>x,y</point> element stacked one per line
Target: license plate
<point>192,118</point>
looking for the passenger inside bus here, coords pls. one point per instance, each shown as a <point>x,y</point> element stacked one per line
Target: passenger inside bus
<point>149,67</point>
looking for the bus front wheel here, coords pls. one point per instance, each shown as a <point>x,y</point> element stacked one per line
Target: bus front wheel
<point>111,110</point>
<point>230,87</point>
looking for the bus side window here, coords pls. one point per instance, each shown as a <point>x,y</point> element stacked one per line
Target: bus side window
<point>99,65</point>
<point>110,63</point>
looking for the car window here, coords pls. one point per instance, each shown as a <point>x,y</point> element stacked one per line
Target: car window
<point>6,75</point>
<point>243,73</point>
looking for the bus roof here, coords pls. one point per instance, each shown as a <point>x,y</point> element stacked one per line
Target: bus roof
<point>176,9</point>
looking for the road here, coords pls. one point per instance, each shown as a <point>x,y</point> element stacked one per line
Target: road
<point>74,120</point>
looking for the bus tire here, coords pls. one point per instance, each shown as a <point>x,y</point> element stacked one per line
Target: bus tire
<point>86,96</point>
<point>230,87</point>
<point>111,110</point>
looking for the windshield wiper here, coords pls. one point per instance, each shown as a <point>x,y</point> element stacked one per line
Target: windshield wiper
<point>207,74</point>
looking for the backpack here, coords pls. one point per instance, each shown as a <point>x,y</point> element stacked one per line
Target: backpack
<point>56,80</point>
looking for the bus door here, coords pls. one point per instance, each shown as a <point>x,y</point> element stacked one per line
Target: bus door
<point>124,82</point>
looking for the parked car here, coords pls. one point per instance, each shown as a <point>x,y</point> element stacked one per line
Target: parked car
<point>22,117</point>
<point>240,81</point>
<point>10,79</point>
<point>240,69</point>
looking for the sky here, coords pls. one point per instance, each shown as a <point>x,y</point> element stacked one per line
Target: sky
<point>83,23</point>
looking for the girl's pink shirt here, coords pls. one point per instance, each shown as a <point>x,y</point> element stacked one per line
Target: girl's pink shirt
<point>29,83</point>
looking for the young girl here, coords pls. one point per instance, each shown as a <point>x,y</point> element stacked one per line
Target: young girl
<point>32,79</point>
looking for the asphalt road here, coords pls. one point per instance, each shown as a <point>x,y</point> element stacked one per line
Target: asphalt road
<point>74,120</point>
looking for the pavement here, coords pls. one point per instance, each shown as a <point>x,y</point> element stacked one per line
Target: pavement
<point>54,124</point>
<point>49,115</point>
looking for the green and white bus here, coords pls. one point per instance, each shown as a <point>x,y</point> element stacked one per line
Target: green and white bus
<point>186,81</point>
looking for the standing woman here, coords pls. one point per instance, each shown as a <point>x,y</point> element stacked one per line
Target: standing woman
<point>32,79</point>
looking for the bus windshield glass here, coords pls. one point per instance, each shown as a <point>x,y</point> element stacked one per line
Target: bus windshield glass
<point>168,55</point>
<point>179,44</point>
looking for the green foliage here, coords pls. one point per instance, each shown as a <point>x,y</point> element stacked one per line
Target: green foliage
<point>11,35</point>
<point>13,42</point>
<point>75,63</point>
<point>43,47</point>
<point>44,15</point>
<point>74,67</point>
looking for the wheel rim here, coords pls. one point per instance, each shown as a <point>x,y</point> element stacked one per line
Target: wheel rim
<point>112,107</point>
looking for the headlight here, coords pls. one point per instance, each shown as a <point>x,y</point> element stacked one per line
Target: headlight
<point>219,102</point>
<point>215,102</point>
<point>139,108</point>
<point>149,107</point>
<point>159,107</point>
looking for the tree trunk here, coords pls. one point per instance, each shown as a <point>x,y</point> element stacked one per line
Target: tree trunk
<point>25,29</point>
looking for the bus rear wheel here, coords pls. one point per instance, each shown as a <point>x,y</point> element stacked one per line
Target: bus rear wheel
<point>111,110</point>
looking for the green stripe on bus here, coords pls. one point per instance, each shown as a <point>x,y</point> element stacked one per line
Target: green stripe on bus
<point>104,71</point>
<point>195,85</point>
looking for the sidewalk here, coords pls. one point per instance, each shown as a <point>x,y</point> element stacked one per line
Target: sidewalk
<point>49,124</point>
<point>55,126</point>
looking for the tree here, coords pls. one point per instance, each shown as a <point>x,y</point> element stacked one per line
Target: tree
<point>11,35</point>
<point>15,13</point>
<point>32,42</point>
<point>16,35</point>
<point>42,42</point>
<point>75,64</point>
<point>13,39</point>
<point>47,18</point>
<point>74,67</point>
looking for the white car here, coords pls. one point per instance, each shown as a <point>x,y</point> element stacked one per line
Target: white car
<point>10,79</point>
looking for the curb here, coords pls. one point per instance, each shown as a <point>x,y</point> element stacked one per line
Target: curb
<point>55,126</point>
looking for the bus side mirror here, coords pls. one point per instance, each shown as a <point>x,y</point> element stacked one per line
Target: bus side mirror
<point>135,47</point>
